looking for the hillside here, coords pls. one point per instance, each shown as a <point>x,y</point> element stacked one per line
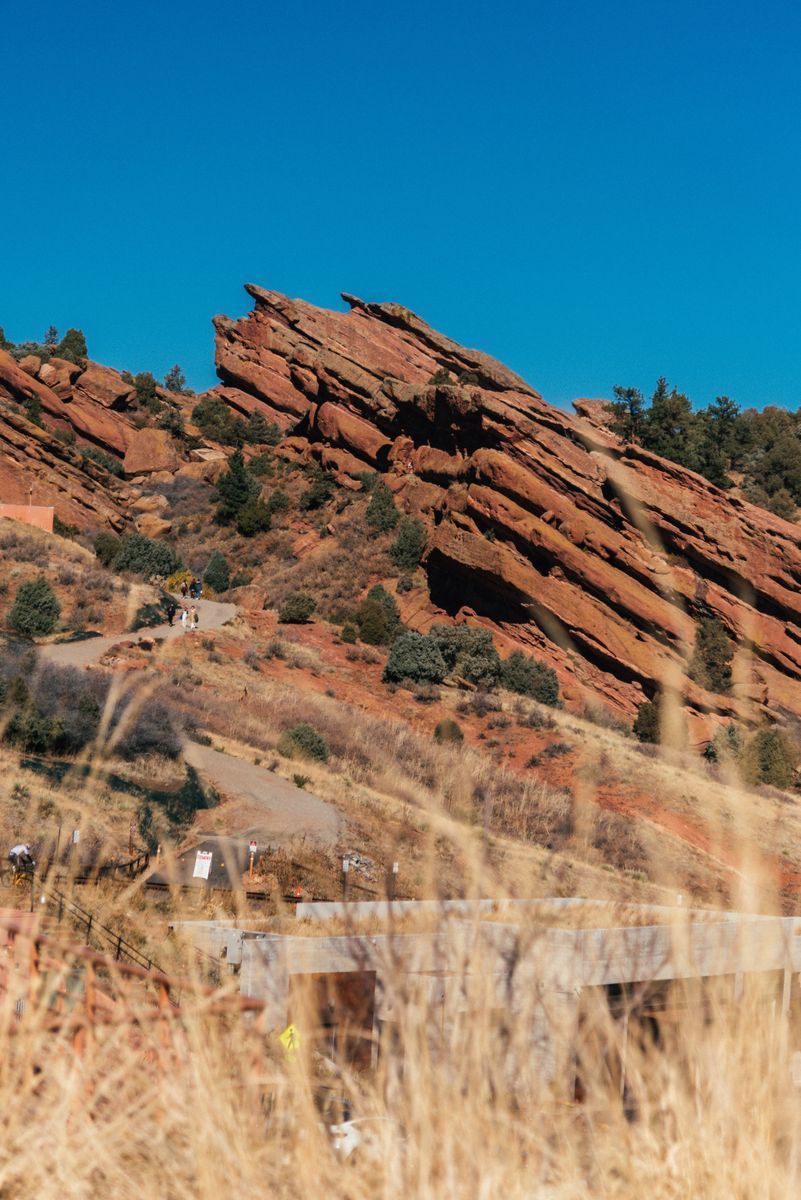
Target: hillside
<point>598,557</point>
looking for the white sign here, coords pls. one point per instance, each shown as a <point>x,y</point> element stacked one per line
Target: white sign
<point>253,847</point>
<point>76,836</point>
<point>202,864</point>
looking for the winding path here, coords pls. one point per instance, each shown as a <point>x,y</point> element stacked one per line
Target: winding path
<point>262,805</point>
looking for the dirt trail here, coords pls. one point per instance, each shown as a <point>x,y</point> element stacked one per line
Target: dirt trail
<point>211,615</point>
<point>261,805</point>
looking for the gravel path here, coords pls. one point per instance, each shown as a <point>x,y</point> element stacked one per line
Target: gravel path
<point>211,615</point>
<point>261,805</point>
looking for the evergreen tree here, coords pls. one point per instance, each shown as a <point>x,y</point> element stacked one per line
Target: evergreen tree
<point>710,665</point>
<point>175,380</point>
<point>628,413</point>
<point>35,610</point>
<point>668,426</point>
<point>409,544</point>
<point>382,515</point>
<point>253,517</point>
<point>72,347</point>
<point>51,336</point>
<point>217,574</point>
<point>235,487</point>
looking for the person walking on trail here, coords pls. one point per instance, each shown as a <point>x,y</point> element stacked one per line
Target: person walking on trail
<point>184,588</point>
<point>183,619</point>
<point>193,618</point>
<point>172,608</point>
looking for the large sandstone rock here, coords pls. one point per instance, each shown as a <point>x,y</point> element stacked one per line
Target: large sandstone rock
<point>104,386</point>
<point>149,451</point>
<point>598,557</point>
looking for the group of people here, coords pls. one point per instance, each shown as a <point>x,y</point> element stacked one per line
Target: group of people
<point>192,588</point>
<point>187,616</point>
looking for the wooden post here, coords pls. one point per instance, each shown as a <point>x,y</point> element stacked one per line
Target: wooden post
<point>392,882</point>
<point>345,872</point>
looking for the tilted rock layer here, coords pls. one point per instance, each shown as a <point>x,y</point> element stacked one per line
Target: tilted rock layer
<point>596,556</point>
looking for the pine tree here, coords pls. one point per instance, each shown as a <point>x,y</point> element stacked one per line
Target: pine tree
<point>381,513</point>
<point>628,413</point>
<point>235,487</point>
<point>668,425</point>
<point>175,380</point>
<point>72,347</point>
<point>35,610</point>
<point>217,574</point>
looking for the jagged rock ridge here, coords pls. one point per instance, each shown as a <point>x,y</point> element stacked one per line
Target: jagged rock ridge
<point>598,556</point>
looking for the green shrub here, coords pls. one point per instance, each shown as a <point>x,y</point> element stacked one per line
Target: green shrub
<point>172,421</point>
<point>448,730</point>
<point>710,665</point>
<point>468,651</point>
<point>378,617</point>
<point>277,502</point>
<point>107,547</point>
<point>296,609</point>
<point>770,757</point>
<point>262,464</point>
<point>319,491</point>
<point>145,556</point>
<point>213,417</point>
<point>410,542</point>
<point>416,658</point>
<point>348,634</point>
<point>404,584</point>
<point>726,746</point>
<point>303,742</point>
<point>101,459</point>
<point>253,517</point>
<point>36,610</point>
<point>260,432</point>
<point>145,392</point>
<point>529,677</point>
<point>217,574</point>
<point>65,436</point>
<point>648,721</point>
<point>63,528</point>
<point>441,377</point>
<point>382,515</point>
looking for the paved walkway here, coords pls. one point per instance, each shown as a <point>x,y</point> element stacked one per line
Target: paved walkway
<point>262,805</point>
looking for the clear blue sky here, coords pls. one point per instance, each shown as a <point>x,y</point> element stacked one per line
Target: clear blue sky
<point>595,192</point>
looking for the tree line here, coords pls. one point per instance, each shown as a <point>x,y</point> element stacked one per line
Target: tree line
<point>724,443</point>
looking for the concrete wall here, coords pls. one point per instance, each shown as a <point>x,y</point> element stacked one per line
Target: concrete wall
<point>41,516</point>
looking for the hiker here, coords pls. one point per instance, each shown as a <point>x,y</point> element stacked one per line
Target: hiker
<point>172,608</point>
<point>193,617</point>
<point>184,588</point>
<point>182,619</point>
<point>20,857</point>
<point>194,590</point>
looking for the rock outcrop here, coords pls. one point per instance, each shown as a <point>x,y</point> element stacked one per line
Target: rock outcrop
<point>597,556</point>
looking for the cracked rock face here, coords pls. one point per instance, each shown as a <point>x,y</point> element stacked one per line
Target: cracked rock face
<point>596,556</point>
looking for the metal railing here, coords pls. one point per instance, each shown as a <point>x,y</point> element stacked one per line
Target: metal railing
<point>88,923</point>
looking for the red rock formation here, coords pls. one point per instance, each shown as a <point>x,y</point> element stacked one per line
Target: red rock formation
<point>597,556</point>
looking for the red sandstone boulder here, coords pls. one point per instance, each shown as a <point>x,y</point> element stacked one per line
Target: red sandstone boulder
<point>149,451</point>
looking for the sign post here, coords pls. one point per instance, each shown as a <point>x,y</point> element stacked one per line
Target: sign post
<point>253,848</point>
<point>345,870</point>
<point>392,882</point>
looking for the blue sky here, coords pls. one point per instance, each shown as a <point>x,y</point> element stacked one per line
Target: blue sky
<point>596,193</point>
